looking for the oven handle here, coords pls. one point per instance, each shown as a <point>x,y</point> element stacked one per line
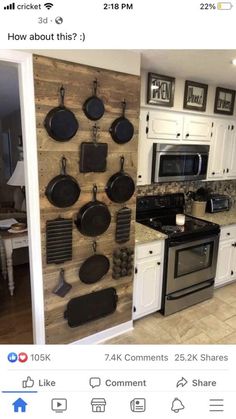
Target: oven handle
<point>199,164</point>
<point>196,289</point>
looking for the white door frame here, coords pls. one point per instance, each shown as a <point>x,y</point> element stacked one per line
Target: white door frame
<point>28,120</point>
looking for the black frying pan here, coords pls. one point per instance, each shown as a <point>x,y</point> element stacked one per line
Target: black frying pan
<point>63,190</point>
<point>94,217</point>
<point>122,130</point>
<point>120,187</point>
<point>60,123</point>
<point>94,268</point>
<point>93,107</point>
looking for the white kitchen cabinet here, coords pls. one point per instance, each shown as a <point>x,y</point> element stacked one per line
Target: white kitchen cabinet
<point>164,125</point>
<point>178,127</point>
<point>147,291</point>
<point>222,156</point>
<point>226,263</point>
<point>197,128</point>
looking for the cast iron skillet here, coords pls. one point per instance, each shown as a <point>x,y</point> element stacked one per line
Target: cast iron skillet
<point>60,123</point>
<point>120,187</point>
<point>63,190</point>
<point>93,107</point>
<point>122,130</point>
<point>94,217</point>
<point>94,268</point>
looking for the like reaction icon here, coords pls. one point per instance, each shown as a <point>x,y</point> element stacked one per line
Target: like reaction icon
<point>28,383</point>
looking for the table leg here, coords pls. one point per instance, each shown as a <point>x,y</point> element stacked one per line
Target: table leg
<point>9,250</point>
<point>3,260</point>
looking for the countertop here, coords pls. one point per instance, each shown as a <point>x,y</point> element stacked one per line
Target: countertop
<point>223,218</point>
<point>145,234</point>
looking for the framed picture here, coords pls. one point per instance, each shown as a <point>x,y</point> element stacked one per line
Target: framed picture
<point>224,101</point>
<point>160,90</point>
<point>195,96</point>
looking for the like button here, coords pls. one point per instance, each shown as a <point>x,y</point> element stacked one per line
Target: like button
<point>28,383</point>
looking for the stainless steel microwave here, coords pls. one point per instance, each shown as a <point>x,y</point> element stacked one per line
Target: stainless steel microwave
<point>172,163</point>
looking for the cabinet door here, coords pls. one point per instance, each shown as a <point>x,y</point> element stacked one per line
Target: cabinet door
<point>147,287</point>
<point>230,166</point>
<point>218,151</point>
<point>197,128</point>
<point>233,260</point>
<point>164,125</point>
<point>224,263</point>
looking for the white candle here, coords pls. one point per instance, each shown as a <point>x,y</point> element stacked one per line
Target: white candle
<point>180,219</point>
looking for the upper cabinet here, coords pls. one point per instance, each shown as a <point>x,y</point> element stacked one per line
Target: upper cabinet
<point>164,125</point>
<point>177,127</point>
<point>222,156</point>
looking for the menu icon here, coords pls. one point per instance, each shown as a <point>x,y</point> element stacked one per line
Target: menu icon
<point>216,405</point>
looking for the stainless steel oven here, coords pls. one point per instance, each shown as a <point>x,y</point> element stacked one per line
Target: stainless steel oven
<point>179,162</point>
<point>190,272</point>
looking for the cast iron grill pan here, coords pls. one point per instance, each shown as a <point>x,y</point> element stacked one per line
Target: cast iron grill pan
<point>86,308</point>
<point>59,240</point>
<point>93,155</point>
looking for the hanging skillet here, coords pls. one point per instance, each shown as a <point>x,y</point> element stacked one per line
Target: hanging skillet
<point>61,123</point>
<point>94,217</point>
<point>94,268</point>
<point>93,107</point>
<point>63,190</point>
<point>120,187</point>
<point>93,155</point>
<point>122,130</point>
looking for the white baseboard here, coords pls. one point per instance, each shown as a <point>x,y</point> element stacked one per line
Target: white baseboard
<point>105,334</point>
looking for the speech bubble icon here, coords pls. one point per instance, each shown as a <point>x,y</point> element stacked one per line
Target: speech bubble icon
<point>95,382</point>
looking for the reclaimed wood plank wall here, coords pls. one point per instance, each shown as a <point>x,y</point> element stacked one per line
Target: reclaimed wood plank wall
<point>49,75</point>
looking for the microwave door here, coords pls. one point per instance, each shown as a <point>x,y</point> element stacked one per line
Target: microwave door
<point>177,166</point>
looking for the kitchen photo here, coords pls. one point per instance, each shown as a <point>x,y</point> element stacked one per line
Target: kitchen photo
<point>118,197</point>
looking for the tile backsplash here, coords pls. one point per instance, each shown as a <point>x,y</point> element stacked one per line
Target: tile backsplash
<point>222,187</point>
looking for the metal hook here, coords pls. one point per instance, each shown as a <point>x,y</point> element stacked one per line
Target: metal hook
<point>94,246</point>
<point>63,165</point>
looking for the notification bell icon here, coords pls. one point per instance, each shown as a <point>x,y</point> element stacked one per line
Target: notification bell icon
<point>177,405</point>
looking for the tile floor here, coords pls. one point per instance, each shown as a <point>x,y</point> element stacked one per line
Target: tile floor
<point>210,322</point>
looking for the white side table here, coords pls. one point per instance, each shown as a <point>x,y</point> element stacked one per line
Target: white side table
<point>10,242</point>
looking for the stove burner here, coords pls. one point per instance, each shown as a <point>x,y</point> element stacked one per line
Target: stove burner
<point>173,229</point>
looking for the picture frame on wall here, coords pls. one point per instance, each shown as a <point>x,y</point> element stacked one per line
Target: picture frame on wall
<point>160,91</point>
<point>224,101</point>
<point>195,96</point>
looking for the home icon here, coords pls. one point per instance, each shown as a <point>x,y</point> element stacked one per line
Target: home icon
<point>19,405</point>
<point>98,405</point>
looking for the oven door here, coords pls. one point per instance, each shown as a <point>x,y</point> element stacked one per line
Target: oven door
<point>191,263</point>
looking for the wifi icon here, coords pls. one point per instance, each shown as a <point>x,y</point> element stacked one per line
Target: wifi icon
<point>48,5</point>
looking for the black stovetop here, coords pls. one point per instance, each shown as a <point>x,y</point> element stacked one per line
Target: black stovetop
<point>159,212</point>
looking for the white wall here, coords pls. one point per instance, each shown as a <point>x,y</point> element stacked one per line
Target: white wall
<point>125,61</point>
<point>179,96</point>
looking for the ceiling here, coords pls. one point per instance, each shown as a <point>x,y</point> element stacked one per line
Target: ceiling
<point>209,66</point>
<point>9,88</point>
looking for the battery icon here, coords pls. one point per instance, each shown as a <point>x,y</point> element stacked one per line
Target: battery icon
<point>225,5</point>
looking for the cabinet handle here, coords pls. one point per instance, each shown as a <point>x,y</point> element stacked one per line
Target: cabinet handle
<point>233,244</point>
<point>228,234</point>
<point>139,176</point>
<point>187,135</point>
<point>227,170</point>
<point>151,252</point>
<point>223,170</point>
<point>232,127</point>
<point>178,134</point>
<point>213,173</point>
<point>158,263</point>
<point>134,309</point>
<point>232,272</point>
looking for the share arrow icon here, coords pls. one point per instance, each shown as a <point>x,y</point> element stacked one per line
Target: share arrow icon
<point>182,382</point>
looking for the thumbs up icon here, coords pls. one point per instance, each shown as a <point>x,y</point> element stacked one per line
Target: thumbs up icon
<point>28,383</point>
